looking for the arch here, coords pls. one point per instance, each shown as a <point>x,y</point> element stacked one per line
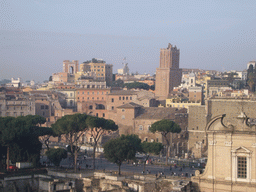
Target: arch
<point>71,70</point>
<point>100,106</point>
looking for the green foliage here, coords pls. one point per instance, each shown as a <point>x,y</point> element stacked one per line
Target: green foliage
<point>122,148</point>
<point>20,135</point>
<point>70,124</point>
<point>74,148</point>
<point>73,127</point>
<point>152,87</point>
<point>165,126</point>
<point>56,155</point>
<point>137,85</point>
<point>152,148</point>
<point>101,123</point>
<point>117,83</point>
<point>98,127</point>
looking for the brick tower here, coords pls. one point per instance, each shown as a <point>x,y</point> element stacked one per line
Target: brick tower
<point>168,75</point>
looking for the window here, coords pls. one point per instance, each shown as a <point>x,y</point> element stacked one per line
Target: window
<point>78,92</point>
<point>140,127</point>
<point>88,93</point>
<point>71,94</point>
<point>242,167</point>
<point>123,110</point>
<point>103,115</point>
<point>241,159</point>
<point>146,139</point>
<point>46,107</point>
<point>123,98</point>
<point>112,108</point>
<point>42,106</point>
<point>120,98</point>
<point>97,114</point>
<point>112,100</point>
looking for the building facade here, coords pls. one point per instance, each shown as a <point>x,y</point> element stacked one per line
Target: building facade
<point>168,75</point>
<point>231,164</point>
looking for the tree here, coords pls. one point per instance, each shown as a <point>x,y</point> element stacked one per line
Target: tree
<point>98,127</point>
<point>117,83</point>
<point>44,134</point>
<point>56,155</point>
<point>20,137</point>
<point>151,148</point>
<point>137,85</point>
<point>73,127</point>
<point>165,127</point>
<point>123,148</point>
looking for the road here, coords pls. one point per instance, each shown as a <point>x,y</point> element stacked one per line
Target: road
<point>102,163</point>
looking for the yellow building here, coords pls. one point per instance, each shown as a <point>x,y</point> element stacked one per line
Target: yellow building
<point>184,104</point>
<point>101,70</point>
<point>231,164</point>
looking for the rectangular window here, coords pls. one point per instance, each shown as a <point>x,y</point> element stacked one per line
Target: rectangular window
<point>241,167</point>
<point>120,98</point>
<point>42,106</point>
<point>112,100</point>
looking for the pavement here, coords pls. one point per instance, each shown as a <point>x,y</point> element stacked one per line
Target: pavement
<point>103,164</point>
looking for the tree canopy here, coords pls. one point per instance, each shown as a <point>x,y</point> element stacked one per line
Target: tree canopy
<point>99,126</point>
<point>20,137</point>
<point>123,148</point>
<point>164,127</point>
<point>137,85</point>
<point>56,155</point>
<point>151,148</point>
<point>73,127</point>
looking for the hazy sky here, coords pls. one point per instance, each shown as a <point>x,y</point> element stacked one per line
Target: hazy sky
<point>37,35</point>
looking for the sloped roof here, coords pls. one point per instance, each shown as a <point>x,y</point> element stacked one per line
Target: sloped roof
<point>129,105</point>
<point>159,113</point>
<point>123,92</point>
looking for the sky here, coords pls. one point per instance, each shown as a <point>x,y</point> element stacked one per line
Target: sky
<point>37,35</point>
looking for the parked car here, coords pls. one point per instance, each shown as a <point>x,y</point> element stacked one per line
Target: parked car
<point>13,168</point>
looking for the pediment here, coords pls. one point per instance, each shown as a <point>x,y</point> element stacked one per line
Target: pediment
<point>241,149</point>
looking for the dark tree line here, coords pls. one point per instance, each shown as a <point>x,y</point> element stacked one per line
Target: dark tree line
<point>19,138</point>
